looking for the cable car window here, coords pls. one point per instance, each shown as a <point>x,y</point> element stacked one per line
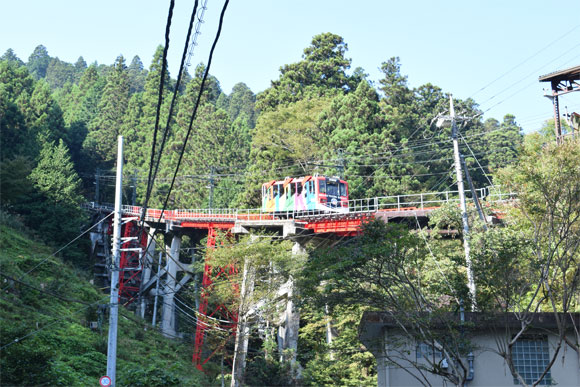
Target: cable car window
<point>332,187</point>
<point>298,188</point>
<point>343,189</point>
<point>322,186</point>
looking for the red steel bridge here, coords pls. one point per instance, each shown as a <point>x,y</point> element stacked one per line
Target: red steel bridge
<point>136,278</point>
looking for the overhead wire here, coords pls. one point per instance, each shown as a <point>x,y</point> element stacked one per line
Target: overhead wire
<point>19,339</point>
<point>527,59</point>
<point>159,101</point>
<point>473,154</point>
<point>62,248</point>
<point>436,262</point>
<point>174,98</point>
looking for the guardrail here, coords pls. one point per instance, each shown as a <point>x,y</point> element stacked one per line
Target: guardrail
<point>420,201</point>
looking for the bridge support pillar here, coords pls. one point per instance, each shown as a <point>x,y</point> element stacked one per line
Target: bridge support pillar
<point>288,331</point>
<point>168,321</point>
<point>147,262</point>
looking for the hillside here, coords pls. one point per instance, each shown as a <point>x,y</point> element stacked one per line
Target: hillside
<point>44,327</point>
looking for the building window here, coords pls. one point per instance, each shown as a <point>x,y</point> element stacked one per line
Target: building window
<point>427,351</point>
<point>531,355</point>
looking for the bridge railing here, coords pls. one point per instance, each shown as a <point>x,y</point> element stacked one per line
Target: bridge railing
<point>419,201</point>
<point>426,200</point>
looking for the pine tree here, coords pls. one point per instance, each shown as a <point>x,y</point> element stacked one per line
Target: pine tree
<point>137,75</point>
<point>241,102</point>
<point>321,72</point>
<point>38,62</point>
<point>106,126</point>
<point>10,56</point>
<point>59,73</point>
<point>54,209</point>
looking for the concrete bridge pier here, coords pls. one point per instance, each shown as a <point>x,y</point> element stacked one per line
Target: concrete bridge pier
<point>288,330</point>
<point>169,288</point>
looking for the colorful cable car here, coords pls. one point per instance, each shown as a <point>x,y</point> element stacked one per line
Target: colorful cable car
<point>305,194</point>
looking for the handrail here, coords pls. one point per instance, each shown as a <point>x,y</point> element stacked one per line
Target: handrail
<point>406,202</point>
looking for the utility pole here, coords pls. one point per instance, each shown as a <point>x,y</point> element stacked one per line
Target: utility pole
<point>460,188</point>
<point>114,300</point>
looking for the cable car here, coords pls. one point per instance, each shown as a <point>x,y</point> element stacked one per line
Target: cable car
<point>309,194</point>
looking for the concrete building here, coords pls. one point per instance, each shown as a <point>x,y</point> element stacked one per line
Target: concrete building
<point>414,356</point>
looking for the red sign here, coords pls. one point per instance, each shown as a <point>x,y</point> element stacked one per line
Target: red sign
<point>105,381</point>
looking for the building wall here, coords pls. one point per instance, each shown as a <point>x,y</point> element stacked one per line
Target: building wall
<point>490,368</point>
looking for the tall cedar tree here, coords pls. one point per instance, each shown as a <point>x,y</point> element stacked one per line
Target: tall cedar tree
<point>106,127</point>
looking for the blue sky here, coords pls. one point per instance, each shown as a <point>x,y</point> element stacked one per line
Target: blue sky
<point>461,46</point>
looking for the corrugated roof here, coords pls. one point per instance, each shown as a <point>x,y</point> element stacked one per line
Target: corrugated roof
<point>571,74</point>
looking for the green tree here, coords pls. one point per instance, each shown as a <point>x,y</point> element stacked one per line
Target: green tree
<point>10,56</point>
<point>342,361</point>
<point>59,73</point>
<point>265,265</point>
<point>106,127</point>
<point>394,84</point>
<point>140,123</point>
<point>38,62</point>
<point>80,67</point>
<point>54,208</point>
<point>241,102</point>
<point>386,268</point>
<point>353,123</point>
<point>284,143</point>
<point>321,72</point>
<point>211,89</point>
<point>503,143</point>
<point>16,137</point>
<point>137,75</point>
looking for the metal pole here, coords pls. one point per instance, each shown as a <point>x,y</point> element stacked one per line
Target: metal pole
<point>460,188</point>
<point>114,300</point>
<point>156,291</point>
<point>474,194</point>
<point>557,123</point>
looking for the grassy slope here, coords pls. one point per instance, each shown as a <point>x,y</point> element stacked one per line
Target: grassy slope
<point>64,351</point>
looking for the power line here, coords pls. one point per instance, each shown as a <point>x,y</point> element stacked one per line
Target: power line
<point>51,324</point>
<point>526,60</point>
<point>159,101</point>
<point>61,249</point>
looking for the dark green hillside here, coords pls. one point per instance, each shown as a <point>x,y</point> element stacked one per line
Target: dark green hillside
<point>48,311</point>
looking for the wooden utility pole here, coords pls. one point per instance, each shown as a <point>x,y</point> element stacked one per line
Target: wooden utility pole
<point>114,300</point>
<point>460,188</point>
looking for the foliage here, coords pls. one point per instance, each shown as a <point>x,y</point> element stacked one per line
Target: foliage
<point>321,72</point>
<point>532,264</point>
<point>60,121</point>
<point>56,346</point>
<point>106,126</point>
<point>386,268</point>
<point>342,362</point>
<point>38,62</point>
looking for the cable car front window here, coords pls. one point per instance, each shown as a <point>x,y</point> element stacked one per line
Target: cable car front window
<point>331,187</point>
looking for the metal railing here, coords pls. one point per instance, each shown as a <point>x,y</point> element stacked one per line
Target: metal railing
<point>407,202</point>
